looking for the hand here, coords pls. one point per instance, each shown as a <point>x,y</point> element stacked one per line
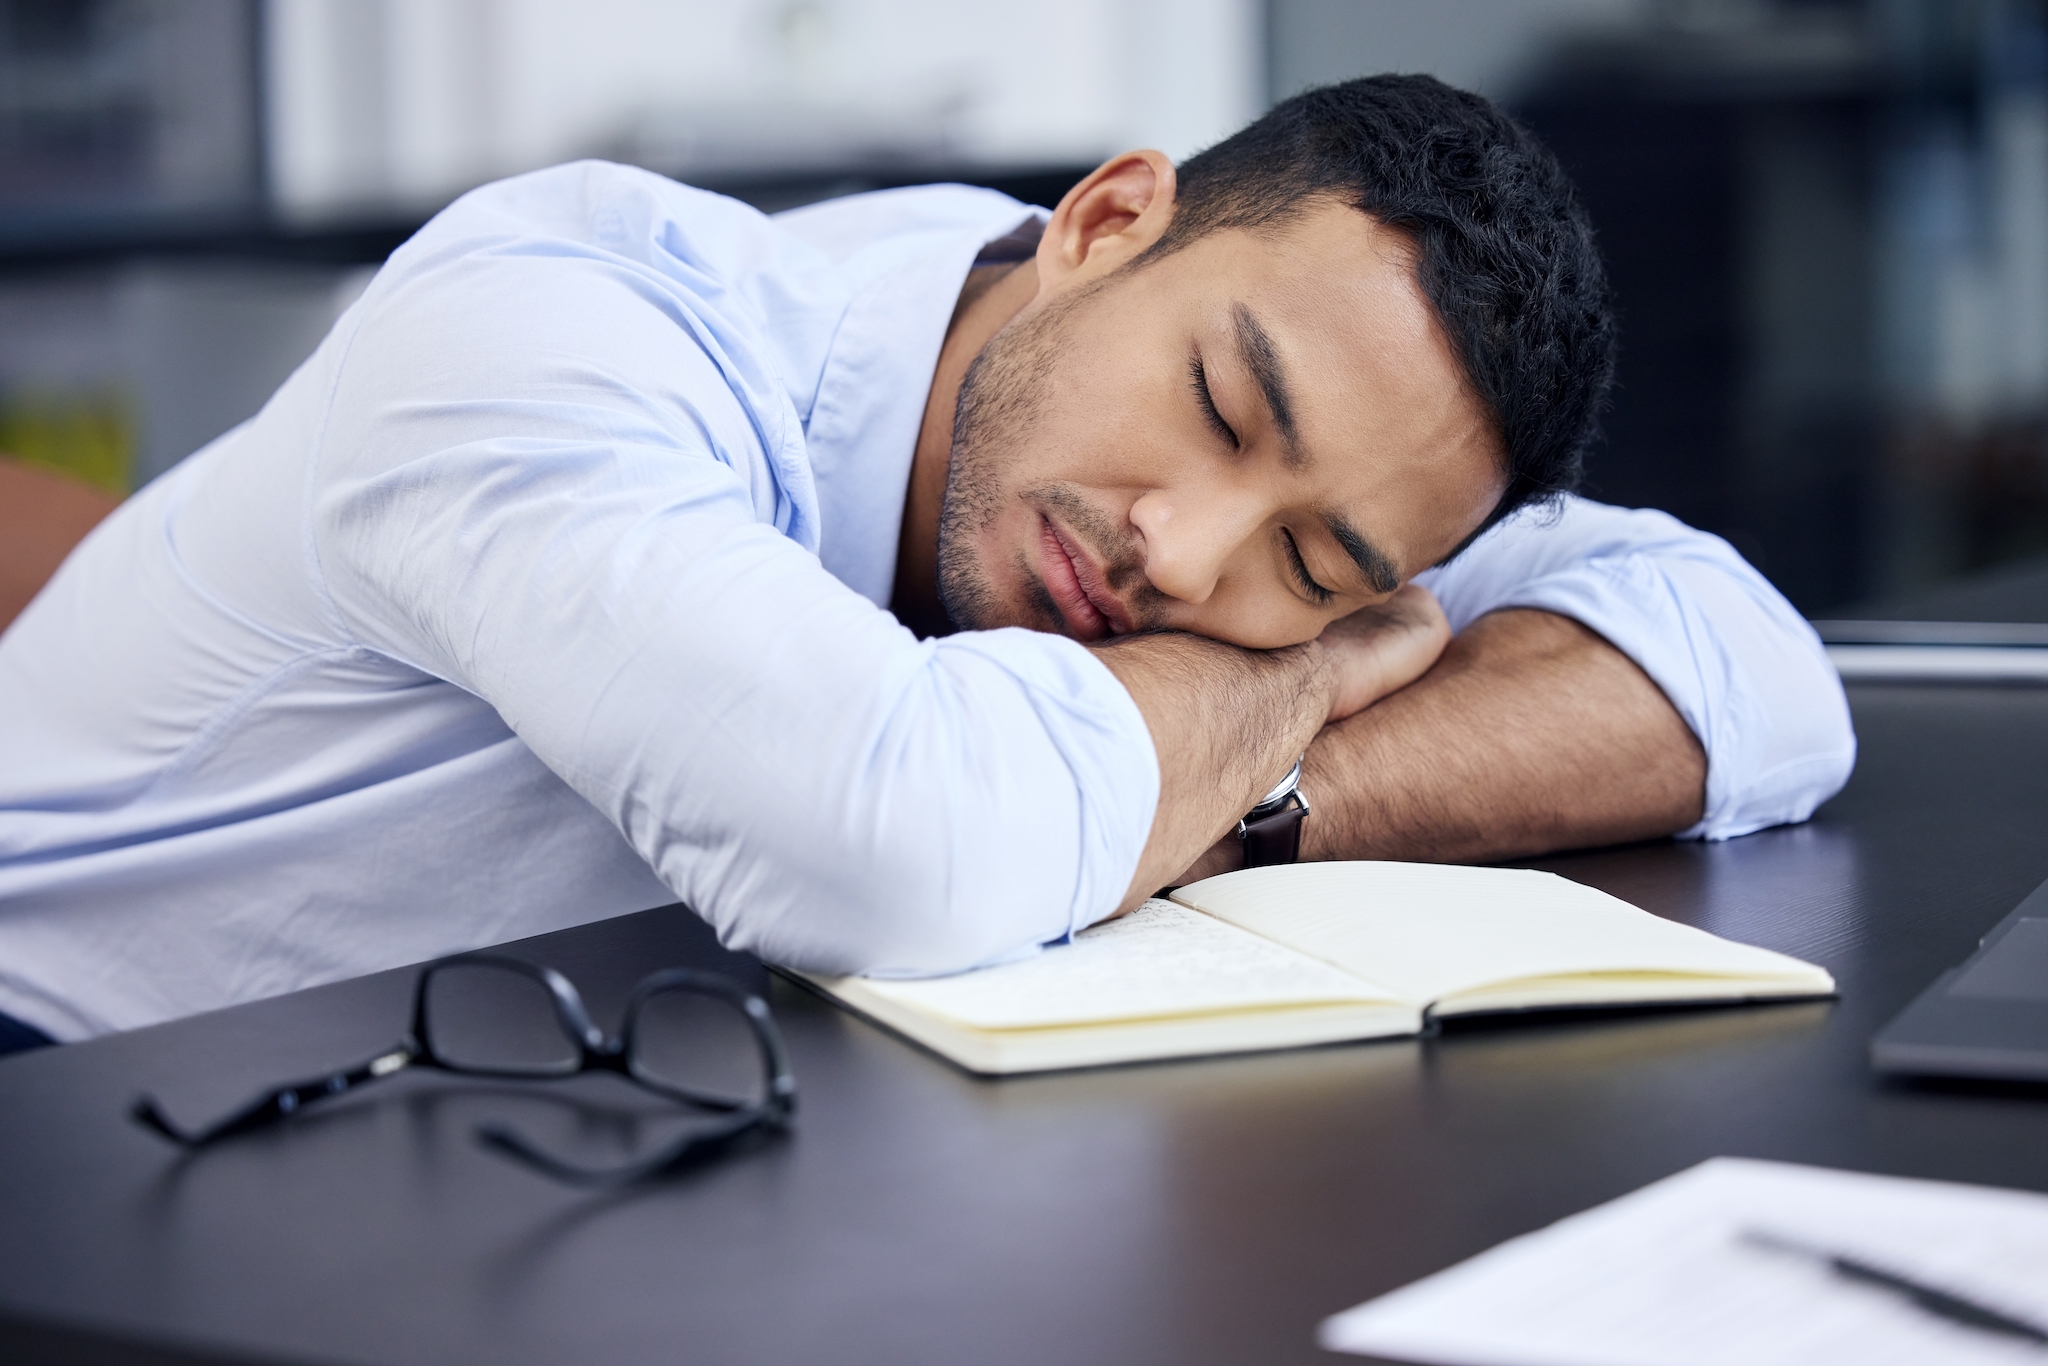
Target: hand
<point>1382,649</point>
<point>1371,653</point>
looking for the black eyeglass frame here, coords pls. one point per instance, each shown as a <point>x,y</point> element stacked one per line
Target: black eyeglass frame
<point>597,1051</point>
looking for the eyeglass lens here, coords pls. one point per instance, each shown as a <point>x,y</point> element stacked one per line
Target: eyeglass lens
<point>492,1018</point>
<point>698,1044</point>
<point>686,1036</point>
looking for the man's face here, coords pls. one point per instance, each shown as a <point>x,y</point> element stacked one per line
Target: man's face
<point>1247,439</point>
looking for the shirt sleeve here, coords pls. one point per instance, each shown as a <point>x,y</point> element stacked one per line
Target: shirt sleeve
<point>1741,666</point>
<point>561,505</point>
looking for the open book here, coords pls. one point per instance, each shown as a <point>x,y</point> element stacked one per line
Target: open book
<point>1314,953</point>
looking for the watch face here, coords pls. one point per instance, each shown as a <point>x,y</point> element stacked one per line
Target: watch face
<point>1282,790</point>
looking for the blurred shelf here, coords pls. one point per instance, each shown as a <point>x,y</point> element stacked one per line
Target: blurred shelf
<point>38,242</point>
<point>85,238</point>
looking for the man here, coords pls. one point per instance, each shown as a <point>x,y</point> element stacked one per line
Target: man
<point>576,573</point>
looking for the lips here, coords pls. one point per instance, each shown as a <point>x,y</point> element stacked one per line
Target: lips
<point>1077,587</point>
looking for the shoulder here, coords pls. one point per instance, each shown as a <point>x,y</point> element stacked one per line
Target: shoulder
<point>842,228</point>
<point>1575,529</point>
<point>575,201</point>
<point>606,271</point>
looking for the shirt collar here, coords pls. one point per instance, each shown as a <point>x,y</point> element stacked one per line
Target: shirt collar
<point>907,253</point>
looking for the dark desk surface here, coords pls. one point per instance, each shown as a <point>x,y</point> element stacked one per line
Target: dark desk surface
<point>1208,1211</point>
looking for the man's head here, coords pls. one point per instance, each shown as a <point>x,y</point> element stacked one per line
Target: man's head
<point>1260,393</point>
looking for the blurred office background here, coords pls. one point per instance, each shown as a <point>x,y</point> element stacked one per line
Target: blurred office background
<point>1827,220</point>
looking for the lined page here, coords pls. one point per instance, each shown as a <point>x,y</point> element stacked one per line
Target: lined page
<point>1431,930</point>
<point>1159,960</point>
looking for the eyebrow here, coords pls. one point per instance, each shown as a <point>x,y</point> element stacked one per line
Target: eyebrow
<point>1255,350</point>
<point>1379,571</point>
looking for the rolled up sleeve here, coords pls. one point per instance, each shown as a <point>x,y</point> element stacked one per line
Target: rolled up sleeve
<point>1737,662</point>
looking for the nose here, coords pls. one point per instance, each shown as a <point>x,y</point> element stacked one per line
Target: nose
<point>1191,535</point>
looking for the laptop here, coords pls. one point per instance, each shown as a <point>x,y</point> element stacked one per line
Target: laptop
<point>1987,1018</point>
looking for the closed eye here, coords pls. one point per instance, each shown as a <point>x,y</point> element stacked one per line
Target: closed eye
<point>1198,379</point>
<point>1316,592</point>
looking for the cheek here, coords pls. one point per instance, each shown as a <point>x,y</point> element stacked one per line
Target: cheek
<point>1117,412</point>
<point>1116,450</point>
<point>1253,619</point>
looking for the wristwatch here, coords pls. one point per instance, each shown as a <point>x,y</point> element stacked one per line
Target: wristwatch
<point>1271,831</point>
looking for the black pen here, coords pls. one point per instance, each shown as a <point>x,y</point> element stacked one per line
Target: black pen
<point>1942,1303</point>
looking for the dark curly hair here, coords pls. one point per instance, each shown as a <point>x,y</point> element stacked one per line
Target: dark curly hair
<point>1504,251</point>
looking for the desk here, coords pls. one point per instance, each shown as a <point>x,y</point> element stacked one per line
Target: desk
<point>1208,1211</point>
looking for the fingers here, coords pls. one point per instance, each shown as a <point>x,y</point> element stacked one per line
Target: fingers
<point>1415,637</point>
<point>1412,605</point>
<point>1384,648</point>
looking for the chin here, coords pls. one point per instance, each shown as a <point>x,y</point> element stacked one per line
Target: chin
<point>977,591</point>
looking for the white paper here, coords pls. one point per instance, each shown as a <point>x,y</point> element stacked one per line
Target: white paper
<point>1662,1277</point>
<point>1431,930</point>
<point>1159,960</point>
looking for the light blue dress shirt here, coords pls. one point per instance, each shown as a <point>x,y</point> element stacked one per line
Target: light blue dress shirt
<point>553,587</point>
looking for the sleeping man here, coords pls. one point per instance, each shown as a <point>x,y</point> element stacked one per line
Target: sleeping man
<point>903,582</point>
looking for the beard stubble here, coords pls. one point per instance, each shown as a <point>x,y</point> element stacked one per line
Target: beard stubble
<point>1002,397</point>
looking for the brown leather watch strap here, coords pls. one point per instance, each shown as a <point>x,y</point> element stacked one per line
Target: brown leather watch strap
<point>1276,836</point>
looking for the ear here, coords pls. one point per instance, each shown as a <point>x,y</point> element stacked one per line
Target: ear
<point>1108,219</point>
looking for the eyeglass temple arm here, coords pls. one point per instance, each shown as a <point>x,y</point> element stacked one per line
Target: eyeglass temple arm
<point>279,1101</point>
<point>503,1138</point>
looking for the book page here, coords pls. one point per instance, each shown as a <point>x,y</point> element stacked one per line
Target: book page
<point>1428,931</point>
<point>1159,960</point>
<point>1668,1276</point>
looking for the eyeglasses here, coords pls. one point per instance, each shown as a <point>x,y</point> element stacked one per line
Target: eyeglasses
<point>691,1037</point>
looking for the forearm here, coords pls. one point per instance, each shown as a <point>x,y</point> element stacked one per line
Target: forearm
<point>1531,733</point>
<point>1226,723</point>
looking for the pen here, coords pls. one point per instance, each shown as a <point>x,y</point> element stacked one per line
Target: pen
<point>1942,1303</point>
